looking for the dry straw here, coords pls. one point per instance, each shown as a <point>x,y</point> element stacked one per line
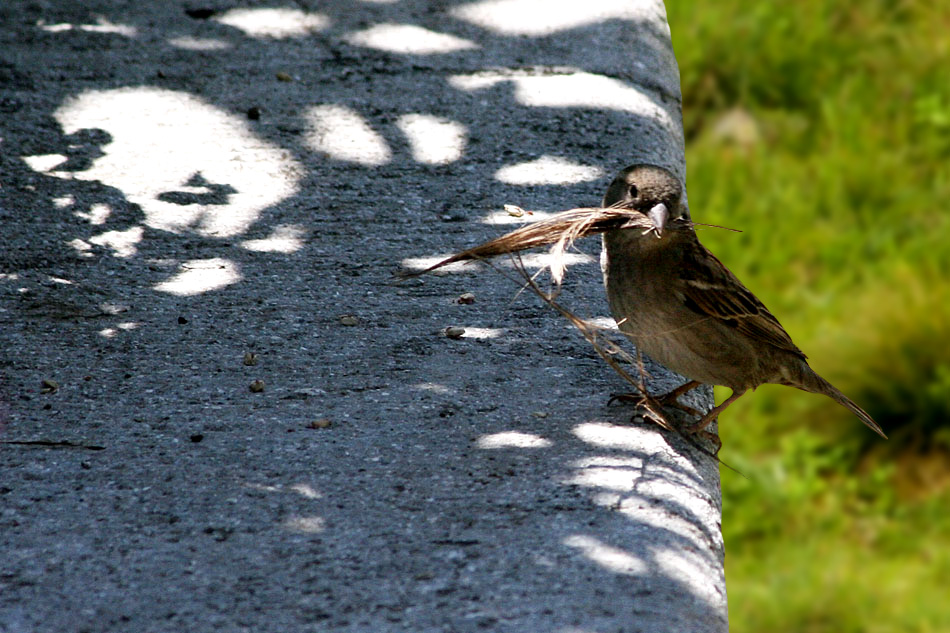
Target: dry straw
<point>560,230</point>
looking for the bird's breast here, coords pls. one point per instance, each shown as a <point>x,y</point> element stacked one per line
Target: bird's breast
<point>641,289</point>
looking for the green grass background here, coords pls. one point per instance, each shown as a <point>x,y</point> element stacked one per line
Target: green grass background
<point>822,130</point>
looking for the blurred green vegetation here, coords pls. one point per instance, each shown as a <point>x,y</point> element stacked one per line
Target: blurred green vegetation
<point>822,130</point>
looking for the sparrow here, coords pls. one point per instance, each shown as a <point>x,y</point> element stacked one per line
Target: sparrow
<point>682,307</point>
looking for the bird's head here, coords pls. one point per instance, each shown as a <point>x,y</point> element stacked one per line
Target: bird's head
<point>651,190</point>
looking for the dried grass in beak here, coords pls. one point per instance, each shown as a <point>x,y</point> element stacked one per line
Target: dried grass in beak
<point>560,230</point>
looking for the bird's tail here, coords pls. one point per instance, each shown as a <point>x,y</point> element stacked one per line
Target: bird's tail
<point>817,384</point>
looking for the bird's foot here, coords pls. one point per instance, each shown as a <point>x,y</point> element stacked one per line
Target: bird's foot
<point>647,408</point>
<point>713,439</point>
<point>652,406</point>
<point>666,400</point>
<point>698,429</point>
<point>626,398</point>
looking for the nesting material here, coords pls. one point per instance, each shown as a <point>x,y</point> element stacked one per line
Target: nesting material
<point>560,230</point>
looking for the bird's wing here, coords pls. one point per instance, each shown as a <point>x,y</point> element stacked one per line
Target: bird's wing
<point>710,289</point>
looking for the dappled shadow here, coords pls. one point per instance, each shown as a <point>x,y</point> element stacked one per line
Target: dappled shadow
<point>182,188</point>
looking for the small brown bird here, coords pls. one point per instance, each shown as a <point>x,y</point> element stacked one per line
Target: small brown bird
<point>686,310</point>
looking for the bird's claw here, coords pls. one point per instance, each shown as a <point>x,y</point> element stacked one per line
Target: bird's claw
<point>706,435</point>
<point>626,398</point>
<point>654,405</point>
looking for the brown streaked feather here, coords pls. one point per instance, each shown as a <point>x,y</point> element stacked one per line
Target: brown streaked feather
<point>711,289</point>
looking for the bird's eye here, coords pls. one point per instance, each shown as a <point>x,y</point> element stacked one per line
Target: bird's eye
<point>633,191</point>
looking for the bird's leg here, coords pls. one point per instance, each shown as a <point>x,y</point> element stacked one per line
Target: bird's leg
<point>706,420</point>
<point>671,399</point>
<point>665,400</point>
<point>699,428</point>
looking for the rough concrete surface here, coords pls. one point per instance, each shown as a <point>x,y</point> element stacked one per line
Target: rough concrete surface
<point>199,196</point>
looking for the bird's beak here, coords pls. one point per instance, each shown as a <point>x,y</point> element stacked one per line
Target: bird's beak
<point>659,215</point>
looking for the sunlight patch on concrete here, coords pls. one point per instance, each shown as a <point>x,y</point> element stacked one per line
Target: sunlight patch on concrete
<point>612,436</point>
<point>198,276</point>
<point>111,332</point>
<point>44,163</point>
<point>305,525</point>
<point>433,140</point>
<point>482,332</point>
<point>62,202</point>
<point>512,439</point>
<point>102,25</point>
<point>191,166</point>
<point>408,39</point>
<point>689,567</point>
<point>617,479</point>
<point>276,22</point>
<point>433,387</point>
<point>544,17</point>
<point>199,44</point>
<point>606,473</point>
<point>568,90</point>
<point>264,487</point>
<point>285,238</point>
<point>343,134</point>
<point>97,214</point>
<point>306,490</point>
<point>607,556</point>
<point>122,243</point>
<point>82,247</point>
<point>547,170</point>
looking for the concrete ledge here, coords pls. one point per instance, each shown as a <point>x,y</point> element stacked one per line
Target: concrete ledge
<point>195,201</point>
